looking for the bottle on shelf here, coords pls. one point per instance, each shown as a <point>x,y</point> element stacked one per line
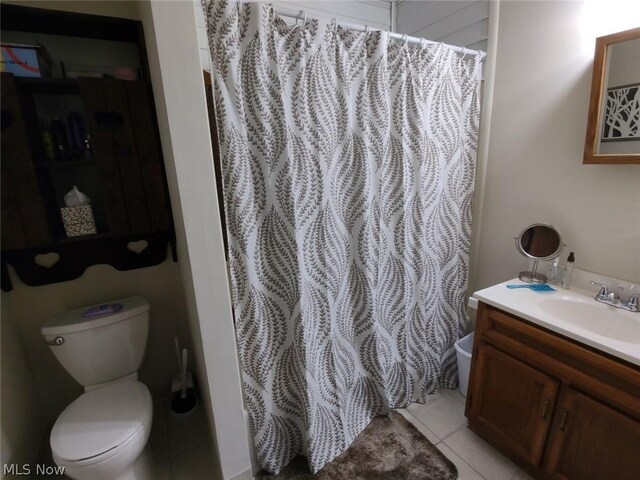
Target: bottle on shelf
<point>47,142</point>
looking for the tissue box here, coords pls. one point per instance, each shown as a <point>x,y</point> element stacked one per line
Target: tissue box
<point>78,221</point>
<point>25,60</point>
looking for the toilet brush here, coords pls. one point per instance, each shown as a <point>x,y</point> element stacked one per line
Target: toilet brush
<point>183,364</point>
<point>175,340</point>
<point>184,400</point>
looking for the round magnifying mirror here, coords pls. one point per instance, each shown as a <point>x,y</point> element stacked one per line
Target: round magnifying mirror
<point>538,242</point>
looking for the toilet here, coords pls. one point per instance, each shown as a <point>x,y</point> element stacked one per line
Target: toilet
<point>103,434</point>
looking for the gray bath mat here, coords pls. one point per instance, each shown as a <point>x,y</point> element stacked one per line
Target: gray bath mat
<point>390,448</point>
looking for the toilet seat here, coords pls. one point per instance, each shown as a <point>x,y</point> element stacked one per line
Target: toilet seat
<point>102,423</point>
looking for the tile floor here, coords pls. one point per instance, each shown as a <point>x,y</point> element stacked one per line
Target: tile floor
<point>181,446</point>
<point>441,419</point>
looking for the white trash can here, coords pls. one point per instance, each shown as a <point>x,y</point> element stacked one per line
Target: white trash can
<point>464,347</point>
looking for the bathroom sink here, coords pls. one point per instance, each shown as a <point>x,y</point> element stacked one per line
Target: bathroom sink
<point>600,319</point>
<point>573,313</point>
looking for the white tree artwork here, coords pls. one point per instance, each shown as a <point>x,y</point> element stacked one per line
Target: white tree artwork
<point>622,114</point>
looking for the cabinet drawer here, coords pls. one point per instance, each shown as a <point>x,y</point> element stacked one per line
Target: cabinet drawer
<point>577,365</point>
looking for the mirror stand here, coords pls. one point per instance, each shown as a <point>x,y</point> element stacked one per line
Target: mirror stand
<point>539,241</point>
<point>533,276</point>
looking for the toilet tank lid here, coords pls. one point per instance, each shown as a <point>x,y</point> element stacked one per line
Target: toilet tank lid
<point>95,316</point>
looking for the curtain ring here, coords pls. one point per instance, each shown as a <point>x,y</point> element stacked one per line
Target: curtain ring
<point>367,29</point>
<point>304,17</point>
<point>464,52</point>
<point>405,39</point>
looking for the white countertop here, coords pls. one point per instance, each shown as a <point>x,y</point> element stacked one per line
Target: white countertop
<point>533,307</point>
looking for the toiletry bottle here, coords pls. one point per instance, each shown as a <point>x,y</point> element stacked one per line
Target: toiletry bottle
<point>553,275</point>
<point>566,278</point>
<point>47,142</point>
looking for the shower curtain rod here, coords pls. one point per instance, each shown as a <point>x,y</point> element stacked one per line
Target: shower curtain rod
<point>301,15</point>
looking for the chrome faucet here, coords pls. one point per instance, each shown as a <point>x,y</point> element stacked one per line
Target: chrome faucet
<point>608,297</point>
<point>632,303</point>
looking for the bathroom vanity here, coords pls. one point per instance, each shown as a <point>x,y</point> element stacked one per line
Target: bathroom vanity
<point>555,383</point>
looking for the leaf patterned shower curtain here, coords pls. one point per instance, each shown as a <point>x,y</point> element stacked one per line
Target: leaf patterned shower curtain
<point>348,162</point>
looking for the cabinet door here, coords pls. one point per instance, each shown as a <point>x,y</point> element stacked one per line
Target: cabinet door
<point>512,404</point>
<point>149,156</point>
<point>104,124</point>
<point>24,221</point>
<point>592,440</point>
<point>127,155</point>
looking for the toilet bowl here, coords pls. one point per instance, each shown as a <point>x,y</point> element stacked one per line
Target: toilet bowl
<point>102,435</point>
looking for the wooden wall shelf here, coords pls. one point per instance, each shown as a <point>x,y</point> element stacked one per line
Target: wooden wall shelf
<point>122,172</point>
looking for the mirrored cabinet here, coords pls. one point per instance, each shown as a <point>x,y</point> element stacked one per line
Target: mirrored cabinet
<point>613,124</point>
<point>83,178</point>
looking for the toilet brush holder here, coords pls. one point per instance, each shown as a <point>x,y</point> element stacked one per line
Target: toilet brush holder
<point>183,395</point>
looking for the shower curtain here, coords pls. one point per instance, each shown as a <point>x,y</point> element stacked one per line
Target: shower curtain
<point>348,163</point>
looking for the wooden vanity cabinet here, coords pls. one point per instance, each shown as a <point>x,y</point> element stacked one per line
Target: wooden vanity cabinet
<point>558,408</point>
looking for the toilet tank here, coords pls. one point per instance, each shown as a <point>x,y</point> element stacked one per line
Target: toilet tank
<point>100,343</point>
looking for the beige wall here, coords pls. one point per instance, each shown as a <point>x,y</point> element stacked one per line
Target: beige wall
<point>23,425</point>
<point>534,170</point>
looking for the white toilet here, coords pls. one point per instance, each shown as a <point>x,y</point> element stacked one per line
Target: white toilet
<point>102,435</point>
